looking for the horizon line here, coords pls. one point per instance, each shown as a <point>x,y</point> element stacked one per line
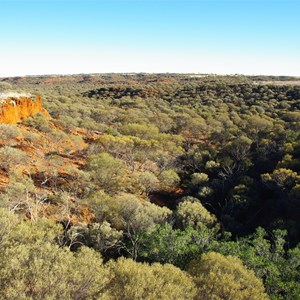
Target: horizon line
<point>148,73</point>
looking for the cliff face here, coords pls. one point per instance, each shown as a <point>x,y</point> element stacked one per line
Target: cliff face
<point>15,110</point>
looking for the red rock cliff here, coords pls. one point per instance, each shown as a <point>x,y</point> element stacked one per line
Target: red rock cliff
<point>15,110</point>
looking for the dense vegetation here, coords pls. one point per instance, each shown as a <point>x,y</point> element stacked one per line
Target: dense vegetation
<point>185,187</point>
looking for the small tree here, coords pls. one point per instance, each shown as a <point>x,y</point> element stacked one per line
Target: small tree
<point>139,219</point>
<point>132,280</point>
<point>148,182</point>
<point>218,277</point>
<point>106,171</point>
<point>168,179</point>
<point>8,133</point>
<point>193,213</point>
<point>39,122</point>
<point>11,157</point>
<point>283,178</point>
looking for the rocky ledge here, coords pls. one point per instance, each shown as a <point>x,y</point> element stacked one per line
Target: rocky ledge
<point>14,110</point>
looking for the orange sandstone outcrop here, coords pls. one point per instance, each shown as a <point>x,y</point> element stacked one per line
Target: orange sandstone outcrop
<point>14,110</point>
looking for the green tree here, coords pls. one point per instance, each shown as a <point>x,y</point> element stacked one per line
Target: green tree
<point>33,266</point>
<point>146,132</point>
<point>132,280</point>
<point>282,178</point>
<point>138,219</point>
<point>39,122</point>
<point>218,277</point>
<point>193,213</point>
<point>168,179</point>
<point>106,171</point>
<point>11,157</point>
<point>21,196</point>
<point>8,134</point>
<point>175,246</point>
<point>101,237</point>
<point>148,182</point>
<point>267,257</point>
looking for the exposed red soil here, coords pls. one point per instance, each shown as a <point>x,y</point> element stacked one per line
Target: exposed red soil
<point>15,110</point>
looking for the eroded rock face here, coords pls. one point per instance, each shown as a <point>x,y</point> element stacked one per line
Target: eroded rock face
<point>14,110</point>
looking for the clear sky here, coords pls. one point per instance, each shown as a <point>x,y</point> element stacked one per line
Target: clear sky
<point>204,36</point>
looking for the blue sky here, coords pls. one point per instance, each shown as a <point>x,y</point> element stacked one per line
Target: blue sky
<point>216,36</point>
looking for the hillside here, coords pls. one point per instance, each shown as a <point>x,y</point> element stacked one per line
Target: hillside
<point>176,171</point>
